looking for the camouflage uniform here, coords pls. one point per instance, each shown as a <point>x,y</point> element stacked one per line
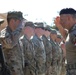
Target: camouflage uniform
<point>40,56</point>
<point>48,49</point>
<point>55,57</point>
<point>29,56</point>
<point>71,51</point>
<point>59,59</point>
<point>63,65</point>
<point>11,49</point>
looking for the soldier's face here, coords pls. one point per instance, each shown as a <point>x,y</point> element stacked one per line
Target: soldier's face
<point>63,20</point>
<point>47,33</point>
<point>13,24</point>
<point>39,31</point>
<point>58,40</point>
<point>53,36</point>
<point>67,21</point>
<point>28,30</point>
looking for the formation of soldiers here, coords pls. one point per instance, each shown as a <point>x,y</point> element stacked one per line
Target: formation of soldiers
<point>31,48</point>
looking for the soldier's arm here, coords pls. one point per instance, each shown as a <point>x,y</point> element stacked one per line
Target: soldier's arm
<point>63,31</point>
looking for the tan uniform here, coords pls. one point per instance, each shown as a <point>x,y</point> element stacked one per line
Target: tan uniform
<point>11,49</point>
<point>71,51</point>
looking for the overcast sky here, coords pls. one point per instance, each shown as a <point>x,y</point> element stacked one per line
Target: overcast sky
<point>37,9</point>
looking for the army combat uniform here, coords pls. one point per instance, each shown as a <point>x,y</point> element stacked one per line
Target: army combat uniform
<point>40,56</point>
<point>11,49</point>
<point>55,57</point>
<point>29,56</point>
<point>71,51</point>
<point>60,53</point>
<point>48,49</point>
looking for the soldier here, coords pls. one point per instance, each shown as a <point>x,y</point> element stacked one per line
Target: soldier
<point>28,49</point>
<point>40,54</point>
<point>61,43</point>
<point>55,52</point>
<point>9,40</point>
<point>67,20</point>
<point>48,49</point>
<point>62,46</point>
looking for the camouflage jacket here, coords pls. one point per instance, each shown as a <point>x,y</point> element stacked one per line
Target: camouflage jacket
<point>11,49</point>
<point>48,49</point>
<point>8,38</point>
<point>29,54</point>
<point>40,56</point>
<point>54,51</point>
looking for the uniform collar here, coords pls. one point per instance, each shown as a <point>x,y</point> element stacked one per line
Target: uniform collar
<point>38,37</point>
<point>72,28</point>
<point>19,28</point>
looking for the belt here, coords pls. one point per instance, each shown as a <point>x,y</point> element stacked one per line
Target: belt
<point>71,66</point>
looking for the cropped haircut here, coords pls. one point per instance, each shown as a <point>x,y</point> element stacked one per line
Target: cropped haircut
<point>67,11</point>
<point>14,15</point>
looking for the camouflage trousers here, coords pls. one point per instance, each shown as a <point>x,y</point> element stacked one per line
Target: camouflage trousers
<point>54,69</point>
<point>71,69</point>
<point>14,61</point>
<point>49,71</point>
<point>63,70</point>
<point>28,71</point>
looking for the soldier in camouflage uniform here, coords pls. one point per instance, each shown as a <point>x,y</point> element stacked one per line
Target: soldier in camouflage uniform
<point>55,52</point>
<point>28,49</point>
<point>9,40</point>
<point>60,53</point>
<point>40,55</point>
<point>48,49</point>
<point>62,46</point>
<point>67,20</point>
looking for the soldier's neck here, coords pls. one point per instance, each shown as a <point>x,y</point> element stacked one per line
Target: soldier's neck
<point>39,36</point>
<point>29,36</point>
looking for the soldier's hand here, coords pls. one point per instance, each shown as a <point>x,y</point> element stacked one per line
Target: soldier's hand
<point>57,21</point>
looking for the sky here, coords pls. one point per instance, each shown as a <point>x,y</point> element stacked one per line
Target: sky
<point>37,10</point>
